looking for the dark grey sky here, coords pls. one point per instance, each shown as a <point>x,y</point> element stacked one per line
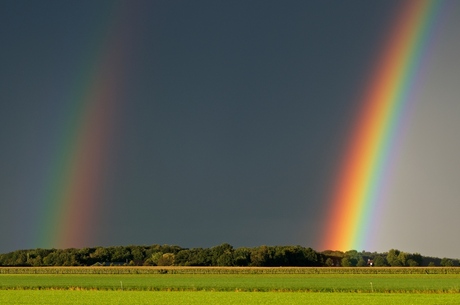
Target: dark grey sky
<point>230,118</point>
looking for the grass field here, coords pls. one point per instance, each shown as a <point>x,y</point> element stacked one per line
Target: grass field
<point>39,297</point>
<point>225,286</point>
<point>434,283</point>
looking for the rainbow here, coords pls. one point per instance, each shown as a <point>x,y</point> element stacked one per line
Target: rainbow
<point>73,201</point>
<point>360,184</point>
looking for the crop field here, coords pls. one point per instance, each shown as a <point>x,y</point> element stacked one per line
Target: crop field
<point>100,285</point>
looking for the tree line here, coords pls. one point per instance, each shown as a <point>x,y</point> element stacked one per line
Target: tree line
<point>221,255</point>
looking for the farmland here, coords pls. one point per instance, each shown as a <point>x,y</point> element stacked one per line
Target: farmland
<point>150,285</point>
<point>42,297</point>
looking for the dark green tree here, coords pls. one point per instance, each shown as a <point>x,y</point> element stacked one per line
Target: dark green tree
<point>329,262</point>
<point>312,258</point>
<point>447,262</point>
<point>361,262</point>
<point>260,256</point>
<point>225,250</point>
<point>417,258</point>
<point>345,262</point>
<point>242,257</point>
<point>166,259</point>
<point>379,261</point>
<point>403,257</point>
<point>393,259</point>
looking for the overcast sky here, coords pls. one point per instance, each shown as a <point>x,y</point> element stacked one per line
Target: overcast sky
<point>229,120</point>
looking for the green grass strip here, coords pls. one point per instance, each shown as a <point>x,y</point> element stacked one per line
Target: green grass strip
<point>359,283</point>
<point>228,298</point>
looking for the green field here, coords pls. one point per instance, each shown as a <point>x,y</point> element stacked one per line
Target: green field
<point>434,283</point>
<point>225,286</point>
<point>39,297</point>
